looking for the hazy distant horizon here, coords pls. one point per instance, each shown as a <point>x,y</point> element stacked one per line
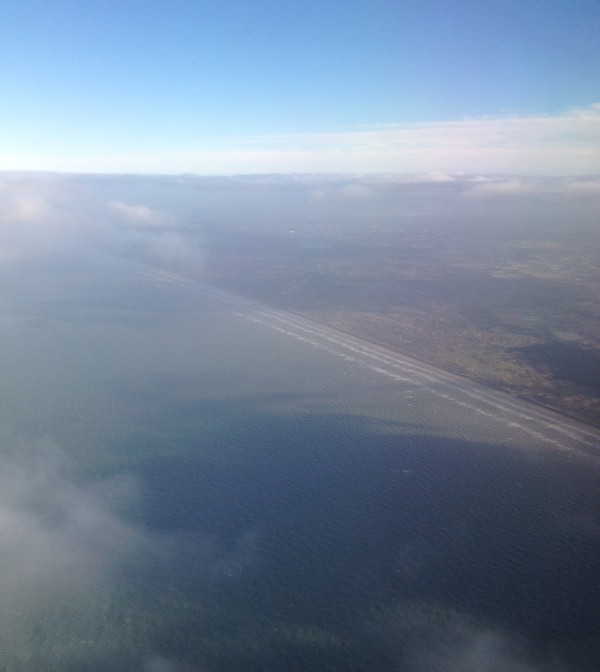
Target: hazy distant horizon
<point>523,144</point>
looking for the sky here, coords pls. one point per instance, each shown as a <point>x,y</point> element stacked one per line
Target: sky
<point>256,87</point>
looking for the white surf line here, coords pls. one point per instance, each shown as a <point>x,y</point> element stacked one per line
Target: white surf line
<point>402,363</point>
<point>428,388</point>
<point>395,360</point>
<point>443,378</point>
<point>368,355</point>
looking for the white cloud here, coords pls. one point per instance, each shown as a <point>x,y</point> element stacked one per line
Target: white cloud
<point>355,191</point>
<point>589,188</point>
<point>56,535</point>
<point>63,543</point>
<point>28,198</point>
<point>561,144</point>
<point>38,215</point>
<point>501,188</point>
<point>48,216</point>
<point>140,215</point>
<point>68,548</point>
<point>511,187</point>
<point>150,235</point>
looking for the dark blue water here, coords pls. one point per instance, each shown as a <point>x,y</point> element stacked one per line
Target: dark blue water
<point>348,535</point>
<point>193,487</point>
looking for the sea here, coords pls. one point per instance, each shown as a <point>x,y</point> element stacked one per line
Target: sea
<point>193,481</point>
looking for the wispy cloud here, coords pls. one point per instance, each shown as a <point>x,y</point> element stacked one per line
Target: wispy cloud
<point>38,213</point>
<point>69,544</point>
<point>556,145</point>
<point>150,235</point>
<point>561,144</point>
<point>58,535</point>
<point>140,215</point>
<point>46,216</point>
<point>565,189</point>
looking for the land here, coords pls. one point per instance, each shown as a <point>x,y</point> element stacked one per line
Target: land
<point>513,307</point>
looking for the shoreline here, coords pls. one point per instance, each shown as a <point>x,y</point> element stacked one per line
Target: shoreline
<point>586,435</point>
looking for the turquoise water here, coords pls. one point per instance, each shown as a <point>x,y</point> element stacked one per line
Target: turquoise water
<point>191,481</point>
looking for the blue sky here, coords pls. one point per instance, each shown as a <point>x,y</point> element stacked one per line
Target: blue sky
<point>268,86</point>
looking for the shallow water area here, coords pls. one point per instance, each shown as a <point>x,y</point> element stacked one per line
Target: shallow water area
<point>192,481</point>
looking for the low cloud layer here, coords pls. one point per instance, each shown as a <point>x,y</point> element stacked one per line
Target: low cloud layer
<point>566,189</point>
<point>46,217</point>
<point>168,222</point>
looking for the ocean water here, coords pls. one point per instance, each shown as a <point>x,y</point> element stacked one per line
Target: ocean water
<point>192,481</point>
